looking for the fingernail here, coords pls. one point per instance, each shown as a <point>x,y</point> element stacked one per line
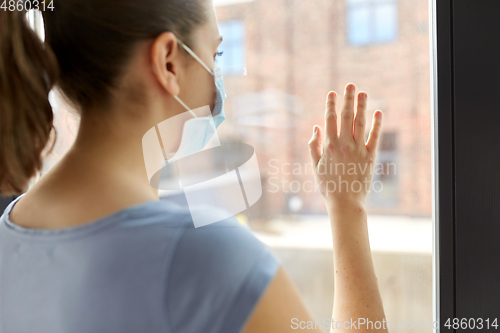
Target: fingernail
<point>379,115</point>
<point>315,130</point>
<point>330,96</point>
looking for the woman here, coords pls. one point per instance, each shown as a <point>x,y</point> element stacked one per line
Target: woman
<point>90,248</point>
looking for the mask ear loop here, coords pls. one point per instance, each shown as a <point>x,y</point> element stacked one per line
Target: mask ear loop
<point>188,50</point>
<point>185,106</point>
<point>195,56</point>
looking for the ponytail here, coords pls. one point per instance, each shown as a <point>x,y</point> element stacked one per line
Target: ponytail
<point>88,45</point>
<point>28,70</point>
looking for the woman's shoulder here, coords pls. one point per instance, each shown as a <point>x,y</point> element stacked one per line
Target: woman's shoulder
<point>217,274</point>
<point>214,248</point>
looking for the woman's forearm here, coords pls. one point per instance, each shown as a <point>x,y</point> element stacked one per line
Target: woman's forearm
<point>357,298</point>
<point>356,291</point>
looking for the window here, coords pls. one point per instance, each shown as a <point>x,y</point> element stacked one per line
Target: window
<point>371,21</point>
<point>384,190</point>
<point>298,60</point>
<point>233,46</point>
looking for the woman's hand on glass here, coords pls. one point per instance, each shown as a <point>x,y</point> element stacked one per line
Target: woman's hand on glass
<point>343,163</point>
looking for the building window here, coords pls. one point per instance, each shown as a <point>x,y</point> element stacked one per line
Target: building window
<point>232,60</point>
<point>371,21</point>
<point>385,184</point>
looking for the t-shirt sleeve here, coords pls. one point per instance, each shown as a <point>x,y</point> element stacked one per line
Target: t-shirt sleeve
<point>217,276</point>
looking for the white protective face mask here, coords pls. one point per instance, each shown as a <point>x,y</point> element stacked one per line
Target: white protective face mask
<point>198,131</point>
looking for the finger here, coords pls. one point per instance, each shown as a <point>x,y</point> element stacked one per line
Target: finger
<point>331,118</point>
<point>316,145</point>
<point>347,113</point>
<point>375,131</point>
<point>360,121</point>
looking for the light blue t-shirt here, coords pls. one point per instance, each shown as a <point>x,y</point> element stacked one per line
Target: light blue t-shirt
<point>143,269</point>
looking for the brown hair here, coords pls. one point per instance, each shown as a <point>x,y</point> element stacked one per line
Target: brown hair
<point>87,43</point>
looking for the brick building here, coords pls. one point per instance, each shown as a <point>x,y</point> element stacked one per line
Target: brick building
<point>281,57</point>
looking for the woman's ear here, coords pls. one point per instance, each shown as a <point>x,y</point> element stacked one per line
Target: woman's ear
<point>165,62</point>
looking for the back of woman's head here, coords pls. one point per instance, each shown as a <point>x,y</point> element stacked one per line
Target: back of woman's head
<point>87,45</point>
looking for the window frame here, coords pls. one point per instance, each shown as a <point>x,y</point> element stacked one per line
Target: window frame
<point>466,230</point>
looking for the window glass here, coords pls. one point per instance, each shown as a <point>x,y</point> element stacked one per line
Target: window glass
<point>371,21</point>
<point>385,189</point>
<point>295,52</point>
<point>385,18</point>
<point>232,60</point>
<point>359,24</point>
